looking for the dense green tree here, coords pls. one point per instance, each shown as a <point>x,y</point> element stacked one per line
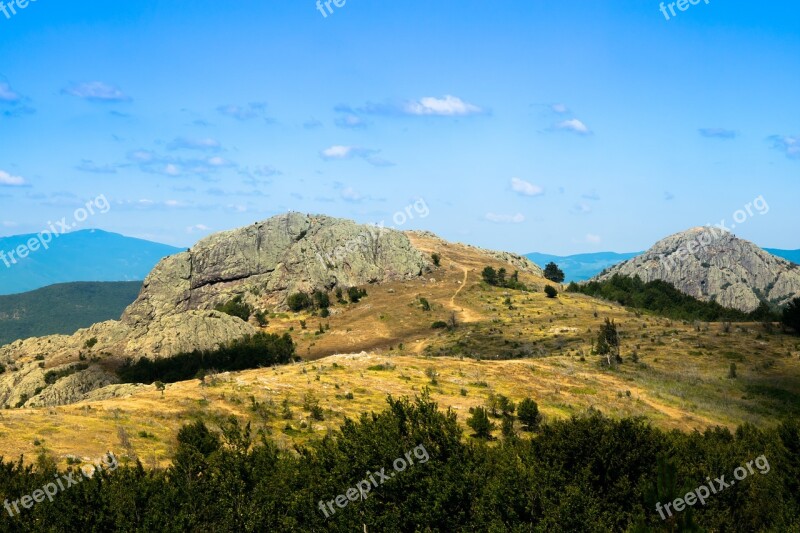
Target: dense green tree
<point>321,299</point>
<point>586,473</point>
<point>299,301</point>
<point>480,423</point>
<point>553,273</point>
<point>791,315</point>
<point>608,342</point>
<point>528,414</point>
<point>661,297</point>
<point>550,291</point>
<point>489,275</point>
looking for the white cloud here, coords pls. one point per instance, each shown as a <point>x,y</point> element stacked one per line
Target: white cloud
<point>559,108</point>
<point>788,144</point>
<point>505,219</point>
<point>197,227</point>
<point>593,239</point>
<point>7,94</point>
<point>218,162</point>
<point>96,91</point>
<point>525,188</point>
<point>338,152</point>
<point>7,180</point>
<point>448,106</point>
<point>351,195</point>
<point>574,125</point>
<point>350,122</point>
<point>246,112</point>
<point>582,208</point>
<point>206,145</point>
<point>171,169</point>
<point>349,152</point>
<point>87,165</point>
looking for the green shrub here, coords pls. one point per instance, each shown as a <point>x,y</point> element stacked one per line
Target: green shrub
<point>237,308</point>
<point>299,301</point>
<point>355,294</point>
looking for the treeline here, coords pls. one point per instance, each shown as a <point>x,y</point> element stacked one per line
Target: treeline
<point>251,351</point>
<point>500,278</point>
<point>664,299</point>
<point>588,473</point>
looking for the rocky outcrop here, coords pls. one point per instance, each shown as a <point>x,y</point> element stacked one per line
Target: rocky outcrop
<point>266,261</point>
<point>714,265</point>
<point>261,264</point>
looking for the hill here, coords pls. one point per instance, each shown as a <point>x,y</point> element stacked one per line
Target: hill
<point>518,343</point>
<point>714,265</point>
<point>581,267</point>
<point>63,308</point>
<point>87,255</point>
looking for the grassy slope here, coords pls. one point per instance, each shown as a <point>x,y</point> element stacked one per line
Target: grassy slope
<point>680,382</point>
<point>63,308</point>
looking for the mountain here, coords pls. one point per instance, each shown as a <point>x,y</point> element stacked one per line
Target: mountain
<point>63,308</point>
<point>581,267</point>
<point>789,255</point>
<point>714,265</point>
<point>87,255</point>
<point>259,265</point>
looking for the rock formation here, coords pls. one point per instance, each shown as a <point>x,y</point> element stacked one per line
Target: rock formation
<point>714,265</point>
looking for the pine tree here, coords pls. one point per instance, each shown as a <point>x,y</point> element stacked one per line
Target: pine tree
<point>553,273</point>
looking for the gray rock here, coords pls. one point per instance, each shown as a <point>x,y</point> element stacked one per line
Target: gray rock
<point>713,265</point>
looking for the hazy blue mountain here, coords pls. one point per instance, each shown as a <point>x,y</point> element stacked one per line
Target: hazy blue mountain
<point>63,308</point>
<point>88,255</point>
<point>789,255</point>
<point>581,267</point>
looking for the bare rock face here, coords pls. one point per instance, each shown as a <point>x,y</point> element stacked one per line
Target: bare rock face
<point>267,261</point>
<point>714,265</point>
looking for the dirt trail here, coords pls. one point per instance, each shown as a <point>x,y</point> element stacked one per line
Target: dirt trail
<point>467,315</point>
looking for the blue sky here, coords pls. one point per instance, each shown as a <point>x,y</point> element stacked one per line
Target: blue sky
<point>559,127</point>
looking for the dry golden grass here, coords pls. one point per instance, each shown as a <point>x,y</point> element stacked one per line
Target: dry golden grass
<point>681,380</point>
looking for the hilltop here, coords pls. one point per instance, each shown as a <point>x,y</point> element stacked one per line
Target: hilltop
<point>714,265</point>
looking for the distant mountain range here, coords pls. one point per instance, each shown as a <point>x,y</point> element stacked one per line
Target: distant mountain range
<point>87,255</point>
<point>63,309</point>
<point>582,267</point>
